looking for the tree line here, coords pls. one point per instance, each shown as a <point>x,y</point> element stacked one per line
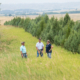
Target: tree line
<point>64,12</point>
<point>63,32</point>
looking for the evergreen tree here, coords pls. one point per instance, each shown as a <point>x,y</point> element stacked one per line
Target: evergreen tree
<point>41,26</point>
<point>52,20</point>
<point>46,18</point>
<point>66,19</point>
<point>21,23</point>
<point>26,23</point>
<point>55,28</point>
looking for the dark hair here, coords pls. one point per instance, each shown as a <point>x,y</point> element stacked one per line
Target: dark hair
<point>39,38</point>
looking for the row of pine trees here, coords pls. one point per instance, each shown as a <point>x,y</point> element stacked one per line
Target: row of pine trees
<point>63,32</point>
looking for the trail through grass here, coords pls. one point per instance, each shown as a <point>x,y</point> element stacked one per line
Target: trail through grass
<point>63,66</point>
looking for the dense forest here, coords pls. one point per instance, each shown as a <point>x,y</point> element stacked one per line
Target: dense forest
<point>63,32</point>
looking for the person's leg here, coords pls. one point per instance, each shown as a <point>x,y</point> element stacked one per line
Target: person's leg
<point>49,55</point>
<point>37,54</point>
<point>41,54</point>
<point>25,55</point>
<point>21,55</point>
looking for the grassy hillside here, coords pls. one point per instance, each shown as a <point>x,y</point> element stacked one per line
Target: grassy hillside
<point>63,66</point>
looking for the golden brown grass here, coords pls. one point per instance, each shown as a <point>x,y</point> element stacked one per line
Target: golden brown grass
<point>74,17</point>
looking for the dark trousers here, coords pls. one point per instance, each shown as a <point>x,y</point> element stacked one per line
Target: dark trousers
<point>24,55</point>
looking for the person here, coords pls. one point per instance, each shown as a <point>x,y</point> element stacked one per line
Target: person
<point>23,50</point>
<point>40,48</point>
<point>49,49</point>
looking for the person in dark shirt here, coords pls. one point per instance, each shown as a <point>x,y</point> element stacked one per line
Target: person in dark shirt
<point>49,49</point>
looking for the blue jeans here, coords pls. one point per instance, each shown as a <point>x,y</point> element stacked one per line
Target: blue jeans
<point>24,55</point>
<point>49,55</point>
<point>41,54</point>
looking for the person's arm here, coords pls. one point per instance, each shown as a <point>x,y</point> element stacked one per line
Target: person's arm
<point>36,47</point>
<point>21,54</point>
<point>37,50</point>
<point>51,48</point>
<point>26,53</point>
<point>21,51</point>
<point>43,48</point>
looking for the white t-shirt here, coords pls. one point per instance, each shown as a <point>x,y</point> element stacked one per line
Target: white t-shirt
<point>40,45</point>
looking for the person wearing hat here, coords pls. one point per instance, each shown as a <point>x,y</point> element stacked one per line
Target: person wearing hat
<point>23,50</point>
<point>40,48</point>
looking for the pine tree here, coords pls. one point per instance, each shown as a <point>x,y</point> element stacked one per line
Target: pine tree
<point>66,19</point>
<point>55,28</point>
<point>46,18</point>
<point>26,23</point>
<point>21,23</point>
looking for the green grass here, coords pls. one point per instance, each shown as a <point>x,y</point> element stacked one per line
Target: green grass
<point>63,66</point>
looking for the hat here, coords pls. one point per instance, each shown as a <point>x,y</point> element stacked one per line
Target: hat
<point>39,38</point>
<point>22,42</point>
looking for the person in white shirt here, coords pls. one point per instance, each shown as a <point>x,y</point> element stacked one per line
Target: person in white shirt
<point>40,48</point>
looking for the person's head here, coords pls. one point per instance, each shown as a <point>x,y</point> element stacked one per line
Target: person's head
<point>48,41</point>
<point>23,43</point>
<point>39,40</point>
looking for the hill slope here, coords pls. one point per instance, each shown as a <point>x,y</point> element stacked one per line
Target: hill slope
<point>63,66</point>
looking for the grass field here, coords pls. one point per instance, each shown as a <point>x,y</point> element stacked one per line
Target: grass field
<point>74,17</point>
<point>63,66</point>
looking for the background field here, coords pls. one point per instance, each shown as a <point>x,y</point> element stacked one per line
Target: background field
<point>74,17</point>
<point>63,66</point>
